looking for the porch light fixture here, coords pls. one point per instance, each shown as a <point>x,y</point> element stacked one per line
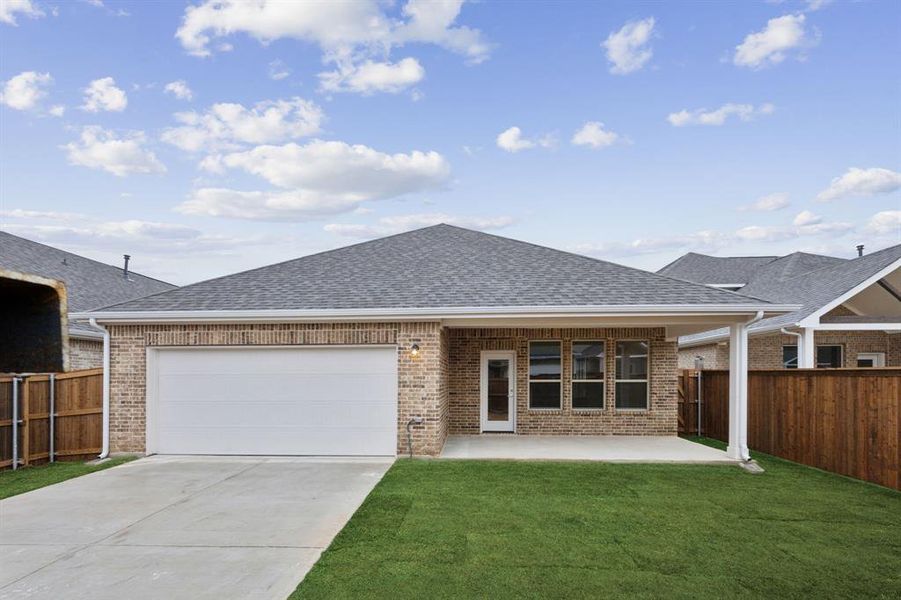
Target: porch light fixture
<point>414,350</point>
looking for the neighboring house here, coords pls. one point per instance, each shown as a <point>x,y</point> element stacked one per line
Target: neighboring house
<point>442,330</point>
<point>88,284</point>
<point>850,313</point>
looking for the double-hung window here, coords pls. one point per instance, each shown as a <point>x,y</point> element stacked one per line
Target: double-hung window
<point>588,375</point>
<point>545,375</point>
<point>827,356</point>
<point>632,386</point>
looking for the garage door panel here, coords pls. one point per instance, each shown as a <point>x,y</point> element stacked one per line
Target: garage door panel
<point>296,401</point>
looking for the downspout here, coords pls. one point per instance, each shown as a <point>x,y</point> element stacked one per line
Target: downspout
<point>104,452</point>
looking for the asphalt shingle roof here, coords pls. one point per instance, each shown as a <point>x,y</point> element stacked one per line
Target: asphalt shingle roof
<point>435,267</point>
<point>89,284</point>
<point>701,268</point>
<point>813,289</point>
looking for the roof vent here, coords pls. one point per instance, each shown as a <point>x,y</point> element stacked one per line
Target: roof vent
<point>125,270</point>
<point>859,250</point>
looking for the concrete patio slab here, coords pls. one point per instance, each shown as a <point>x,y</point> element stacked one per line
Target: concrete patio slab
<point>607,448</point>
<point>180,527</point>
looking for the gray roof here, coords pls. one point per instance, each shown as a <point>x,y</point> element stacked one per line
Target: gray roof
<point>436,267</point>
<point>89,284</point>
<point>701,268</point>
<point>813,289</point>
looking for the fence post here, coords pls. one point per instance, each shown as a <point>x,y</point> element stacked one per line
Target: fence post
<point>52,415</point>
<point>26,419</point>
<point>699,402</point>
<point>15,423</point>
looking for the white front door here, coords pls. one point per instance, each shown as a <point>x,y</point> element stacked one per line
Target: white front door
<point>498,391</point>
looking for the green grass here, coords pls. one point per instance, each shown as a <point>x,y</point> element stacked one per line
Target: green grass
<point>484,529</point>
<point>13,483</point>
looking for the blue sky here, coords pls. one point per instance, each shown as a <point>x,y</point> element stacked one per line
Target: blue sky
<point>208,137</point>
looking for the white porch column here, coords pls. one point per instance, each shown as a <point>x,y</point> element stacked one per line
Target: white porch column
<point>738,392</point>
<point>807,349</point>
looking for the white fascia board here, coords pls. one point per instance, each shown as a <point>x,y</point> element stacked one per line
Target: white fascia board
<point>721,337</point>
<point>436,314</point>
<point>726,285</point>
<point>85,335</point>
<point>813,319</point>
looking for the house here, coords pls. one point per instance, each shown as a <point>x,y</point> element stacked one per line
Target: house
<point>850,313</point>
<point>435,331</point>
<point>78,284</point>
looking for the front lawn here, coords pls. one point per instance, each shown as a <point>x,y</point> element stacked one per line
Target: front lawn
<point>26,479</point>
<point>437,528</point>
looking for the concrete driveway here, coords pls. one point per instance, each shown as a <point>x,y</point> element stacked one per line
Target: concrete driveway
<point>180,527</point>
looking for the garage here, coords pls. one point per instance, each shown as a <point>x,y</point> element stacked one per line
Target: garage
<point>298,401</point>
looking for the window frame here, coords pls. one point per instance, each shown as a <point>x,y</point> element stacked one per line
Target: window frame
<point>876,357</point>
<point>647,382</point>
<point>602,380</point>
<point>559,381</point>
<point>841,355</point>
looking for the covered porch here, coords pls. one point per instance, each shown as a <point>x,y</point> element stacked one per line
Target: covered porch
<point>606,448</point>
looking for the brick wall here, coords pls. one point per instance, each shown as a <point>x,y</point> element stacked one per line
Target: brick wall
<point>465,346</point>
<point>85,354</point>
<point>421,389</point>
<point>765,351</point>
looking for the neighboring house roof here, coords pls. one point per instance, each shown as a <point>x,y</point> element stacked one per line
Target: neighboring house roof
<point>89,284</point>
<point>713,270</point>
<point>814,290</point>
<point>436,267</point>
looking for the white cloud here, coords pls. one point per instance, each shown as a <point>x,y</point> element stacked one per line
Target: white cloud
<point>101,149</point>
<point>399,224</point>
<point>861,182</point>
<point>806,217</point>
<point>318,178</point>
<point>594,135</point>
<point>179,89</point>
<point>628,49</point>
<point>886,222</point>
<point>278,70</point>
<point>771,45</point>
<point>815,5</point>
<point>353,35</point>
<point>369,77</point>
<point>770,202</point>
<point>57,110</point>
<point>103,95</point>
<point>778,233</point>
<point>512,140</point>
<point>705,240</point>
<point>226,126</point>
<point>25,90</point>
<point>9,9</point>
<point>716,117</point>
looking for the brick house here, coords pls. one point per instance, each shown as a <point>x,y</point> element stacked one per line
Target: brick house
<point>404,340</point>
<point>78,284</point>
<point>850,313</point>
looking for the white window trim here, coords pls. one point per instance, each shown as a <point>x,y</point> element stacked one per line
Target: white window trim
<point>878,359</point>
<point>647,382</point>
<point>557,381</point>
<point>602,380</point>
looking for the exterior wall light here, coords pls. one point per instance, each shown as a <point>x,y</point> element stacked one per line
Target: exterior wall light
<point>414,350</point>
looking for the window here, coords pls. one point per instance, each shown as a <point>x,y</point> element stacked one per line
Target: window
<point>828,357</point>
<point>544,375</point>
<point>789,357</point>
<point>588,374</point>
<point>631,375</point>
<point>871,359</point>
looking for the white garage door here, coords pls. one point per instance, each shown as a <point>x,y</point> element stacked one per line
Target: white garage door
<point>276,401</point>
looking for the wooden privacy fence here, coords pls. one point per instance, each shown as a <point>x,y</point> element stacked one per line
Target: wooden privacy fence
<point>58,417</point>
<point>847,421</point>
